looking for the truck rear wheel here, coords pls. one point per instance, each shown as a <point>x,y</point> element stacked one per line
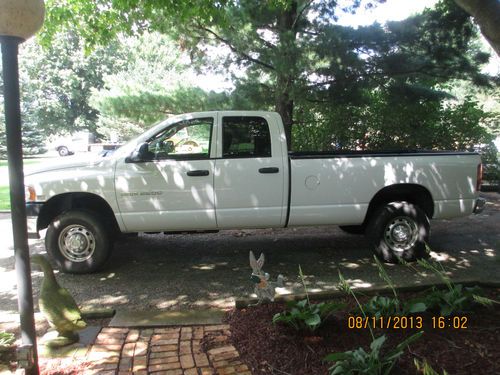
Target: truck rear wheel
<point>399,230</point>
<point>78,242</point>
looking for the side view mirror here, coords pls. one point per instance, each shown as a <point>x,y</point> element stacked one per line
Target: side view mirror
<point>140,154</point>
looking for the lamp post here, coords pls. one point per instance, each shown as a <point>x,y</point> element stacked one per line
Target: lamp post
<point>19,20</point>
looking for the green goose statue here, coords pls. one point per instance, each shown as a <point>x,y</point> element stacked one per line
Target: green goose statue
<point>58,307</point>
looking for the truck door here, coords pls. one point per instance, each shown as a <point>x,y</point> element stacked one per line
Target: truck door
<point>174,191</point>
<point>250,173</point>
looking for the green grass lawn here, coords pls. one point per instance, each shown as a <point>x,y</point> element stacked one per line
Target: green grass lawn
<point>4,189</point>
<point>4,198</point>
<point>3,163</point>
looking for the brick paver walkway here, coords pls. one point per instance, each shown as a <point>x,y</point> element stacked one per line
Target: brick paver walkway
<point>197,350</point>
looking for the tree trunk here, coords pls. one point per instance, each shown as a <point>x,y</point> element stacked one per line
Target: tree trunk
<point>285,75</point>
<point>284,106</point>
<point>486,13</point>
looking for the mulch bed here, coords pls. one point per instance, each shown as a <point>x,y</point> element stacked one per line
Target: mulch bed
<point>278,349</point>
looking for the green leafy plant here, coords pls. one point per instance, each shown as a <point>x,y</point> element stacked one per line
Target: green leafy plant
<point>6,340</point>
<point>379,306</point>
<point>373,362</point>
<point>359,361</point>
<point>455,297</point>
<point>306,315</point>
<point>426,369</point>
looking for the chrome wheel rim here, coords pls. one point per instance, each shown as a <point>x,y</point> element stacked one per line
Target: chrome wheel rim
<point>401,234</point>
<point>76,243</point>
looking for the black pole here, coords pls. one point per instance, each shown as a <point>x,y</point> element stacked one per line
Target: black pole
<point>10,48</point>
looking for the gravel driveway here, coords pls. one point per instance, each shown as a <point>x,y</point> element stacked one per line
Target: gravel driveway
<point>197,271</point>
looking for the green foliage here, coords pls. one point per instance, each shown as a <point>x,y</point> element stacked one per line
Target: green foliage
<point>101,21</point>
<point>6,340</point>
<point>153,84</point>
<point>341,84</point>
<point>379,306</point>
<point>455,298</point>
<point>4,198</point>
<point>57,82</point>
<point>451,301</point>
<point>491,163</point>
<point>426,369</point>
<point>373,362</point>
<point>3,137</point>
<point>384,123</point>
<point>303,314</point>
<point>33,137</point>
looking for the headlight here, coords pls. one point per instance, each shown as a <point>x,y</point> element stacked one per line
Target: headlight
<point>29,194</point>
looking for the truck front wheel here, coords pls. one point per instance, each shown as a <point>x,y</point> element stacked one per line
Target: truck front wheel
<point>399,230</point>
<point>78,242</point>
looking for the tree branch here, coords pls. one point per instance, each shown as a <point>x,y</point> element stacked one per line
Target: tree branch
<point>228,43</point>
<point>422,70</point>
<point>301,13</point>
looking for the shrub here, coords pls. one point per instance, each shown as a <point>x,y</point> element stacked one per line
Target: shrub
<point>373,362</point>
<point>426,369</point>
<point>379,306</point>
<point>6,340</point>
<point>306,315</point>
<point>455,297</point>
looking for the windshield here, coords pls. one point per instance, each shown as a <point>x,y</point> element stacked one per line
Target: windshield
<point>130,146</point>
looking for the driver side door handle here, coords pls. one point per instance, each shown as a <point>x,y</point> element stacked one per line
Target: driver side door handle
<point>269,170</point>
<point>199,173</point>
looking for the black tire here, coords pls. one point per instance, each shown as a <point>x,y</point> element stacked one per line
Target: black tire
<point>63,151</point>
<point>78,242</point>
<point>353,229</point>
<point>399,230</point>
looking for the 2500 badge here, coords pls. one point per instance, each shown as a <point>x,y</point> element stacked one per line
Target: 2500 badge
<point>142,193</point>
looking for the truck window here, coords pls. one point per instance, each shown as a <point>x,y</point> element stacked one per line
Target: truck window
<point>189,139</point>
<point>245,137</point>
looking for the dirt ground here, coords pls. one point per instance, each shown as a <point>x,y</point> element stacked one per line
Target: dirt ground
<point>464,349</point>
<point>211,270</point>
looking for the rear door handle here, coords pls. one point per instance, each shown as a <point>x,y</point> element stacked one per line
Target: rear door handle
<point>269,170</point>
<point>199,173</point>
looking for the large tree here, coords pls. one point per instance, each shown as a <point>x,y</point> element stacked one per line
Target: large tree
<point>293,50</point>
<point>57,82</point>
<point>156,81</point>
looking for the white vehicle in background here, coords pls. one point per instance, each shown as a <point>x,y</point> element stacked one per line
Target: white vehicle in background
<point>81,142</point>
<point>68,145</point>
<point>210,171</point>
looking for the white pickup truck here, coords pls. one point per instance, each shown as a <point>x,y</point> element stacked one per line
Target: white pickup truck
<point>231,170</point>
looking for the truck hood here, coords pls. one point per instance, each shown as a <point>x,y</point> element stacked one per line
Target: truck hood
<point>64,165</point>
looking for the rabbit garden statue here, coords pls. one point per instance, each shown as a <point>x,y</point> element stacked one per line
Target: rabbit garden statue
<point>264,288</point>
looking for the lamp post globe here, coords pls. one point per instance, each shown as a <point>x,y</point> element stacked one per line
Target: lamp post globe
<point>21,18</point>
